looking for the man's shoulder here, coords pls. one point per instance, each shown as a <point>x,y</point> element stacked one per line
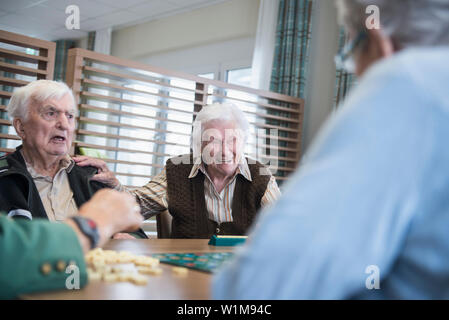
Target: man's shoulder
<point>413,68</point>
<point>10,163</point>
<point>78,177</point>
<point>394,91</point>
<point>13,175</point>
<point>87,171</point>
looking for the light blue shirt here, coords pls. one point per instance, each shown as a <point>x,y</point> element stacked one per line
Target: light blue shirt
<point>371,198</point>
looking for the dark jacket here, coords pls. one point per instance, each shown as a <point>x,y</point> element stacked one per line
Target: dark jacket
<point>18,191</point>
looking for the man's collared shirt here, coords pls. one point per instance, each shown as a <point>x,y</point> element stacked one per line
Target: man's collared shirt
<point>56,194</point>
<point>218,205</point>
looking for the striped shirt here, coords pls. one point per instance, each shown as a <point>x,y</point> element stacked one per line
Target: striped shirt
<point>153,197</point>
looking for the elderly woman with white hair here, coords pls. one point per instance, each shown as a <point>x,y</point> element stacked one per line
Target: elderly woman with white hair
<point>39,179</point>
<point>366,216</point>
<point>214,190</point>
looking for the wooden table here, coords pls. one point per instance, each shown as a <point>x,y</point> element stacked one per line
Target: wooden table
<point>196,285</point>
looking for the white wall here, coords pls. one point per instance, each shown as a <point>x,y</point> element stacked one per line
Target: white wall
<point>213,57</point>
<point>319,90</point>
<point>230,20</point>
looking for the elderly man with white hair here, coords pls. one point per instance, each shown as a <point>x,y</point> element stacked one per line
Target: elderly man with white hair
<point>39,179</point>
<point>35,179</point>
<point>366,216</point>
<point>214,190</point>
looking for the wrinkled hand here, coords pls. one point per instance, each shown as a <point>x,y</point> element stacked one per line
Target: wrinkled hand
<point>113,212</point>
<point>104,175</point>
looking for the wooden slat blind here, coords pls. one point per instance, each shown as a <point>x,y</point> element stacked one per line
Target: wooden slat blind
<point>22,59</point>
<point>136,116</point>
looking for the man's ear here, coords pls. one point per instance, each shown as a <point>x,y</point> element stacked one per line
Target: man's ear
<point>382,44</point>
<point>18,125</point>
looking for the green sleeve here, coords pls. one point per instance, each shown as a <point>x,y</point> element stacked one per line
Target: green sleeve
<point>33,256</point>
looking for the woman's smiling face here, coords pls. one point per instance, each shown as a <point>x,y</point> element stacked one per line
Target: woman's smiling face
<point>222,146</point>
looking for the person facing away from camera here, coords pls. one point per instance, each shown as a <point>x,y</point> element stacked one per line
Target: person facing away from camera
<point>366,216</point>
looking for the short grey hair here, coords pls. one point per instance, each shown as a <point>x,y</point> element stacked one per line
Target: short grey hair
<point>218,111</point>
<point>36,91</point>
<point>407,22</point>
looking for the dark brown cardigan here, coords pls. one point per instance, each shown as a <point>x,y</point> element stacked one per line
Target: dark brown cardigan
<point>187,203</point>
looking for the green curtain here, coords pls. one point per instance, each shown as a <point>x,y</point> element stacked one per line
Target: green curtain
<point>288,75</point>
<point>62,47</point>
<point>91,41</point>
<point>291,56</point>
<point>344,81</point>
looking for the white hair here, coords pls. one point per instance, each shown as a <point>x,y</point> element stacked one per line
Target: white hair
<point>36,91</point>
<point>406,22</point>
<point>217,111</point>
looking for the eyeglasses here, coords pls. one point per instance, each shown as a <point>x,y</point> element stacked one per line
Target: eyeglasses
<point>344,59</point>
